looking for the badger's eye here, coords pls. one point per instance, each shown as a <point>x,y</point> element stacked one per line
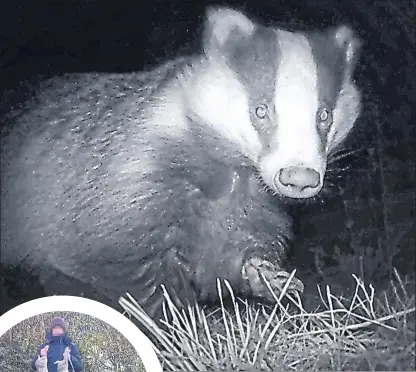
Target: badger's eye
<point>324,116</point>
<point>261,111</point>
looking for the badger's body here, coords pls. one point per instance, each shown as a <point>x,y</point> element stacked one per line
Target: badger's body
<point>177,176</point>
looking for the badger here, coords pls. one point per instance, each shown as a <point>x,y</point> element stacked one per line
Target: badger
<point>180,175</point>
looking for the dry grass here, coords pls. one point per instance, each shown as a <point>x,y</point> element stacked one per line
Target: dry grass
<point>365,332</point>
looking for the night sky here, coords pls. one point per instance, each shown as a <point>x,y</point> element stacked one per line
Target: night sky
<point>52,37</point>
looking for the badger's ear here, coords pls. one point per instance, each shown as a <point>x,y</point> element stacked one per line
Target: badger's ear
<point>224,24</point>
<point>346,39</point>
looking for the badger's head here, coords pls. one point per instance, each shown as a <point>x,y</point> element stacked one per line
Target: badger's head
<point>285,99</point>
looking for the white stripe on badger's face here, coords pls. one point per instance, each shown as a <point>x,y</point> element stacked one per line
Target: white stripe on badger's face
<point>296,142</point>
<point>221,102</point>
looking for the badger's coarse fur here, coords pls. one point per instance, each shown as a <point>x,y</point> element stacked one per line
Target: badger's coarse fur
<point>178,176</point>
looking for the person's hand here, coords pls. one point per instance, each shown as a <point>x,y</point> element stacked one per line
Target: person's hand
<point>44,351</point>
<point>67,351</point>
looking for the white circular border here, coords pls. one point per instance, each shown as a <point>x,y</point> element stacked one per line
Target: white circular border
<point>140,342</point>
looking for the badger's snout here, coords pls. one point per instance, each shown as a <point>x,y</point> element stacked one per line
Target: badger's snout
<point>297,182</point>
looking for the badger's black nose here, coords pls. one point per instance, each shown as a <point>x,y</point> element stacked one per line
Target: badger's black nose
<point>297,182</point>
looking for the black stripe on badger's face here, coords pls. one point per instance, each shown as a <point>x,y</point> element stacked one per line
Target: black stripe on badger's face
<point>330,68</point>
<point>255,60</point>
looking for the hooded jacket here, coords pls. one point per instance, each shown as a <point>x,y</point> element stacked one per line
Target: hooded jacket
<point>57,345</point>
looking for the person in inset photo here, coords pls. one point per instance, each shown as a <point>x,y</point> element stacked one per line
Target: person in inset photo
<point>74,342</point>
<point>58,353</point>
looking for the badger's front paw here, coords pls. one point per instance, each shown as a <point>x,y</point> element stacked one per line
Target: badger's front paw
<point>273,273</point>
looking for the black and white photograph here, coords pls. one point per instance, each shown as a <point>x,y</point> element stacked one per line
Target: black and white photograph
<point>236,178</point>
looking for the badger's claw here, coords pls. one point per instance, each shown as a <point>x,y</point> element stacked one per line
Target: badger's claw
<point>277,278</point>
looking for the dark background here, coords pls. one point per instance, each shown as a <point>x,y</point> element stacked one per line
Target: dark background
<point>377,207</point>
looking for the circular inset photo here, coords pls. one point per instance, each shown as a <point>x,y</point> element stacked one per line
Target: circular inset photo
<point>72,334</point>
